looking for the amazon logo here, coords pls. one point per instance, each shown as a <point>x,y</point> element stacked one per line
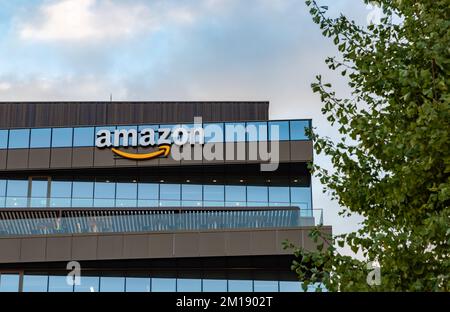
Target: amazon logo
<point>163,138</point>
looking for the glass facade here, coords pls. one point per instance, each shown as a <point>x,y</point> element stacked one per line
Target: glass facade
<point>294,130</point>
<point>134,192</point>
<point>59,283</point>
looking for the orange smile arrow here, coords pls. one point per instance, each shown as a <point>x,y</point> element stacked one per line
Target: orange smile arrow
<point>163,150</point>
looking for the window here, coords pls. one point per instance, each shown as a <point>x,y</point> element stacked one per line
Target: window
<point>83,137</point>
<point>214,132</point>
<point>170,191</point>
<point>126,194</point>
<point>39,187</point>
<point>155,129</point>
<point>59,284</point>
<point>164,284</point>
<point>301,196</point>
<point>189,285</point>
<point>137,284</point>
<point>265,286</point>
<point>62,137</point>
<point>19,138</point>
<point>35,283</point>
<point>9,282</point>
<point>88,284</point>
<point>290,286</point>
<point>279,194</point>
<point>257,194</point>
<point>240,285</point>
<point>40,138</point>
<point>214,285</point>
<point>2,193</point>
<point>104,193</point>
<point>61,193</point>
<point>192,192</point>
<point>148,194</point>
<point>235,193</point>
<point>112,284</point>
<point>279,130</point>
<point>297,129</point>
<point>214,192</point>
<point>235,132</point>
<point>3,139</point>
<point>82,193</point>
<point>17,188</point>
<point>256,131</point>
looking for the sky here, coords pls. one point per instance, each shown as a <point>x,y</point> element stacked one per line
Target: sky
<point>74,50</point>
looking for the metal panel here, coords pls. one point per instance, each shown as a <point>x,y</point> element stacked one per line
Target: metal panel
<point>39,158</point>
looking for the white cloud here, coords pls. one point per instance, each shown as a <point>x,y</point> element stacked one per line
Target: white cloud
<point>96,20</point>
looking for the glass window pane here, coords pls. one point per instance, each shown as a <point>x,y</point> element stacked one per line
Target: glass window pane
<point>191,192</point>
<point>266,286</point>
<point>214,132</point>
<point>131,139</point>
<point>126,190</point>
<point>3,139</point>
<point>2,188</point>
<point>35,283</point>
<point>112,284</point>
<point>297,129</point>
<point>17,188</point>
<point>137,284</point>
<point>83,189</point>
<point>235,193</point>
<point>290,286</point>
<point>59,284</point>
<point>279,194</point>
<point>148,190</point>
<point>189,284</point>
<point>214,192</point>
<point>83,137</point>
<point>235,132</point>
<point>257,193</point>
<point>279,130</point>
<point>170,191</point>
<point>163,284</point>
<point>88,284</point>
<point>19,138</point>
<point>301,195</point>
<point>62,137</point>
<point>104,189</point>
<point>240,285</point>
<point>256,131</point>
<point>9,282</point>
<point>39,188</point>
<point>214,285</point>
<point>61,189</point>
<point>40,138</point>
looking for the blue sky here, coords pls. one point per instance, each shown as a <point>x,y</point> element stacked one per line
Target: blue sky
<point>173,50</point>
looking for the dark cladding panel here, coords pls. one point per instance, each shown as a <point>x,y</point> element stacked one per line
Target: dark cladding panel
<point>54,114</point>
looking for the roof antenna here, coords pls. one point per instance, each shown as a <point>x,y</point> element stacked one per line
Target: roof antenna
<point>110,97</point>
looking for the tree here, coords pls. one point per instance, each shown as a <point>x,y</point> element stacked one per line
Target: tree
<point>392,160</point>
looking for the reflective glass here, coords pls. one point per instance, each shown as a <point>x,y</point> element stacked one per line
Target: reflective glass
<point>2,188</point>
<point>35,283</point>
<point>61,189</point>
<point>19,138</point>
<point>112,284</point>
<point>83,189</point>
<point>214,132</point>
<point>163,284</point>
<point>235,132</point>
<point>279,194</point>
<point>235,193</point>
<point>59,284</point>
<point>40,138</point>
<point>131,138</point>
<point>301,195</point>
<point>191,192</point>
<point>297,129</point>
<point>256,131</point>
<point>214,192</point>
<point>137,284</point>
<point>290,286</point>
<point>126,190</point>
<point>148,190</point>
<point>39,188</point>
<point>214,285</point>
<point>240,285</point>
<point>17,188</point>
<point>279,130</point>
<point>83,136</point>
<point>189,285</point>
<point>265,286</point>
<point>257,193</point>
<point>9,282</point>
<point>104,189</point>
<point>62,137</point>
<point>3,139</point>
<point>88,284</point>
<point>170,191</point>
